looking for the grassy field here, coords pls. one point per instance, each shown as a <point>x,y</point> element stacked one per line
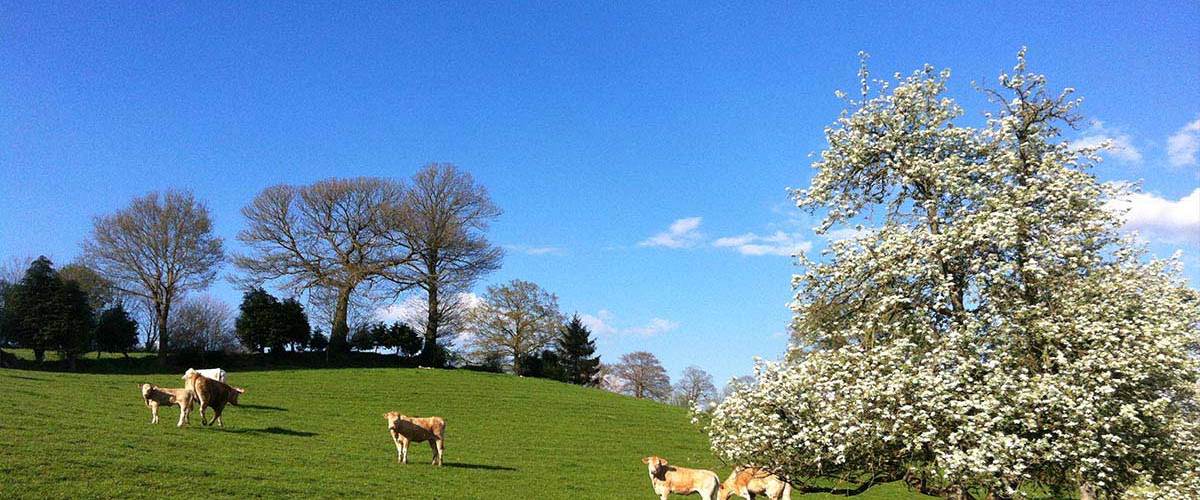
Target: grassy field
<point>321,433</point>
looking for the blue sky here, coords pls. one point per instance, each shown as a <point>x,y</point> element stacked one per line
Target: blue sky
<point>596,126</point>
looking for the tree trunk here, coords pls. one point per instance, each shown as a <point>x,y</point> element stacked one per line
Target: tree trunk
<point>516,365</point>
<point>161,312</point>
<point>432,318</point>
<point>39,355</point>
<point>340,329</point>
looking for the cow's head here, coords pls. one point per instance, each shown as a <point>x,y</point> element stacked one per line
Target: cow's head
<point>188,373</point>
<point>657,466</point>
<point>233,395</point>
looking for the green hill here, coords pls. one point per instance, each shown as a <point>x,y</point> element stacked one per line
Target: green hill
<point>321,433</point>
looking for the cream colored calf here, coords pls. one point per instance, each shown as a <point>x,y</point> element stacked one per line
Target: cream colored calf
<point>406,429</point>
<point>667,479</point>
<point>156,396</point>
<point>749,482</point>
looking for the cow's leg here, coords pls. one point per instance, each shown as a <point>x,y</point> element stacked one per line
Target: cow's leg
<point>434,448</point>
<point>183,411</point>
<point>441,451</point>
<point>154,413</point>
<point>217,414</point>
<point>399,449</point>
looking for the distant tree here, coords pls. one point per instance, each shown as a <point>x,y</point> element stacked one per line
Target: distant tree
<point>642,376</point>
<point>576,353</point>
<point>398,336</point>
<point>336,236</point>
<point>694,388</point>
<point>47,313</point>
<point>100,290</point>
<point>258,324</point>
<point>116,331</point>
<point>318,342</point>
<point>159,247</point>
<point>736,384</point>
<point>516,319</point>
<point>203,324</point>
<point>293,327</point>
<point>363,339</point>
<point>444,216</point>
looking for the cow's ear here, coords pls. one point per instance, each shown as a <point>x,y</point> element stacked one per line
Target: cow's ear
<point>646,460</point>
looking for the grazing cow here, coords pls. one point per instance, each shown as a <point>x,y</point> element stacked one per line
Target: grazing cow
<point>212,394</point>
<point>667,479</point>
<point>406,429</point>
<point>213,373</point>
<point>749,482</point>
<point>156,396</point>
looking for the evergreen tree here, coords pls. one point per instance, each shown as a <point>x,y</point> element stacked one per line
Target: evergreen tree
<point>318,342</point>
<point>398,336</point>
<point>258,325</point>
<point>46,313</point>
<point>362,339</point>
<point>294,329</point>
<point>576,349</point>
<point>116,331</point>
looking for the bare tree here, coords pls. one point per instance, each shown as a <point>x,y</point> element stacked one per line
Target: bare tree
<point>515,319</point>
<point>642,376</point>
<point>336,237</point>
<point>13,269</point>
<point>203,324</point>
<point>158,248</point>
<point>445,214</point>
<point>695,387</point>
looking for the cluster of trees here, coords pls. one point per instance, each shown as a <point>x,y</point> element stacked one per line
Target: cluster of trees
<point>397,336</point>
<point>68,312</point>
<point>340,243</point>
<point>267,324</point>
<point>994,334</point>
<point>641,375</point>
<point>518,326</point>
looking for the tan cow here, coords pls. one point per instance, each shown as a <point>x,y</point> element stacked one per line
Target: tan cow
<point>750,482</point>
<point>156,396</point>
<point>667,479</point>
<point>212,394</point>
<point>405,429</point>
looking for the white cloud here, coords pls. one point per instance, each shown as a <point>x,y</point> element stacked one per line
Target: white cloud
<point>778,243</point>
<point>683,233</point>
<point>1183,145</point>
<point>1120,145</point>
<point>654,327</point>
<point>411,310</point>
<point>601,324</point>
<point>1156,217</point>
<point>536,250</point>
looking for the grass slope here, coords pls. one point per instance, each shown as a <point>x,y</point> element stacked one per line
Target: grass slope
<point>321,433</point>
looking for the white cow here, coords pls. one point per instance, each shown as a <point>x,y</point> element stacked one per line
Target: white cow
<point>212,373</point>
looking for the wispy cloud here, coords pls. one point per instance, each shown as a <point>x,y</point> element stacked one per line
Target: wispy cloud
<point>1119,144</point>
<point>1164,219</point>
<point>602,324</point>
<point>1183,146</point>
<point>778,243</point>
<point>535,250</point>
<point>683,233</point>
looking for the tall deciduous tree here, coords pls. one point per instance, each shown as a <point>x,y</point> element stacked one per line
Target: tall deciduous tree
<point>100,290</point>
<point>515,319</point>
<point>158,248</point>
<point>445,215</point>
<point>642,376</point>
<point>694,388</point>
<point>116,331</point>
<point>994,333</point>
<point>337,235</point>
<point>576,354</point>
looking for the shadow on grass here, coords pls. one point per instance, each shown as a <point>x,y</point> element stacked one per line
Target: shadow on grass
<point>262,407</point>
<point>478,466</point>
<point>270,430</point>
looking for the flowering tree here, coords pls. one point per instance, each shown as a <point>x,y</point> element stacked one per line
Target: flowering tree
<point>994,333</point>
